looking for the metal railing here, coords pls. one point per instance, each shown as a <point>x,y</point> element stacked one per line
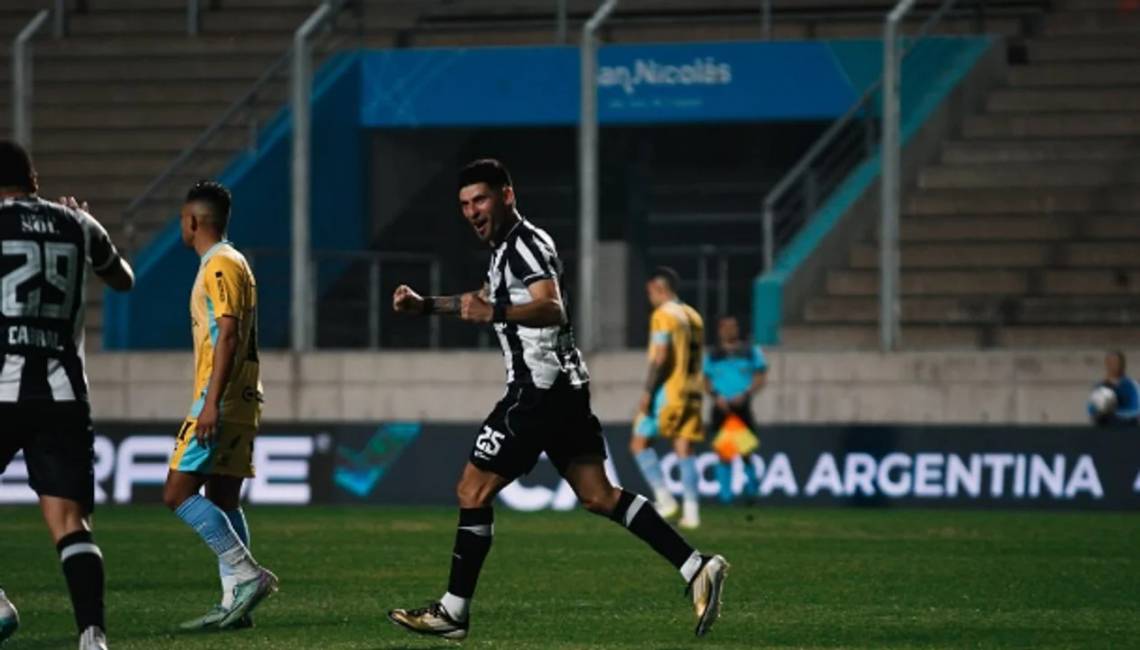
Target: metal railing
<point>711,279</point>
<point>351,284</point>
<point>59,17</point>
<point>243,116</point>
<point>193,17</point>
<point>355,286</point>
<point>22,87</point>
<point>848,142</point>
<point>890,194</point>
<point>588,181</point>
<point>301,92</point>
<point>561,21</point>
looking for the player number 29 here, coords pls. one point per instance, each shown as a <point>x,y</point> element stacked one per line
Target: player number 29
<point>34,264</point>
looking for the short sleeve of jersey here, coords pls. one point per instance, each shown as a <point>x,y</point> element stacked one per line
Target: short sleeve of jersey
<point>100,250</point>
<point>660,327</point>
<point>530,260</point>
<point>225,283</point>
<point>759,361</point>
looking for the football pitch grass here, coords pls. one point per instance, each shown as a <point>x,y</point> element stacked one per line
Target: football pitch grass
<point>800,579</point>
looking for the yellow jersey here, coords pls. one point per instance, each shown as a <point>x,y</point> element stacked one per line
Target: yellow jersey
<point>225,287</point>
<point>681,328</point>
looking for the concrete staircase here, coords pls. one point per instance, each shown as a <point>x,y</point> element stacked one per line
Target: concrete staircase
<point>1027,232</point>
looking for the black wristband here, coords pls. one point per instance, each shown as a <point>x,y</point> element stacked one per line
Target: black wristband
<point>499,314</point>
<point>429,306</point>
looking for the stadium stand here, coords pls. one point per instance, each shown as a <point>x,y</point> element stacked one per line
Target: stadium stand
<point>127,90</point>
<point>1025,233</point>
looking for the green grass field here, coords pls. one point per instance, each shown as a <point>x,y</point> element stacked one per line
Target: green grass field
<point>800,578</point>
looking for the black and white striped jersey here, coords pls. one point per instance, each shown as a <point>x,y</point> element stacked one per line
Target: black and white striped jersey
<point>534,355</point>
<point>46,251</point>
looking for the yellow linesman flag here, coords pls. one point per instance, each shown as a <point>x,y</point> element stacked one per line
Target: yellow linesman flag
<point>734,439</point>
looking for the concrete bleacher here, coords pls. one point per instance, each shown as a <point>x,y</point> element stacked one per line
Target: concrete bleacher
<point>521,21</point>
<point>127,89</point>
<point>1026,231</point>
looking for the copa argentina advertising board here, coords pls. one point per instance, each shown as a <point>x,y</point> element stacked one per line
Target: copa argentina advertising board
<point>418,463</point>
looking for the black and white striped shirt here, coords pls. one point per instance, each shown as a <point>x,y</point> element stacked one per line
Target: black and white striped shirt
<point>46,252</point>
<point>534,355</point>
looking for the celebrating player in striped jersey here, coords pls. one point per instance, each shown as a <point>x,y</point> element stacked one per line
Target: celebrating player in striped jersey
<point>215,444</point>
<point>46,252</point>
<point>546,408</point>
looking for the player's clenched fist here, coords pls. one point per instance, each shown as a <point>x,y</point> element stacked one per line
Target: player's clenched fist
<point>474,309</point>
<point>406,301</point>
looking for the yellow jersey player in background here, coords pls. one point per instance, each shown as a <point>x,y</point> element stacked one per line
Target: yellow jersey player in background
<point>215,444</point>
<point>671,404</point>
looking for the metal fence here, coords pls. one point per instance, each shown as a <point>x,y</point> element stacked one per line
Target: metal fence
<point>714,279</point>
<point>353,290</point>
<point>22,78</point>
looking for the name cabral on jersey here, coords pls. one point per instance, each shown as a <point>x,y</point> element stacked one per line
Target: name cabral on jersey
<point>28,336</point>
<point>48,250</point>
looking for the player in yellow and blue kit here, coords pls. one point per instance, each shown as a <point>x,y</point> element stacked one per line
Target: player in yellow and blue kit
<point>671,404</point>
<point>215,444</point>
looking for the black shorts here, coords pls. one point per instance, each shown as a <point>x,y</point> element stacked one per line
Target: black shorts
<point>529,421</point>
<point>719,416</point>
<point>59,447</point>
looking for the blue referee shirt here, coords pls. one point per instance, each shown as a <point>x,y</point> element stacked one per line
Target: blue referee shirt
<point>731,371</point>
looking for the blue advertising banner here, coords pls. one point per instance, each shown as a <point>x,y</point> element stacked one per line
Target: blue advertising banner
<point>690,82</point>
<point>414,463</point>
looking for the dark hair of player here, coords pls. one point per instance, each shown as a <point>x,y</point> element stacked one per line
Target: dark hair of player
<point>1119,357</point>
<point>668,276</point>
<point>720,318</point>
<point>485,170</point>
<point>217,197</point>
<point>16,167</point>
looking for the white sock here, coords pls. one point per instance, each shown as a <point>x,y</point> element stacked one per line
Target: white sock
<point>691,509</point>
<point>455,606</point>
<point>228,584</point>
<point>691,566</point>
<point>241,561</point>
